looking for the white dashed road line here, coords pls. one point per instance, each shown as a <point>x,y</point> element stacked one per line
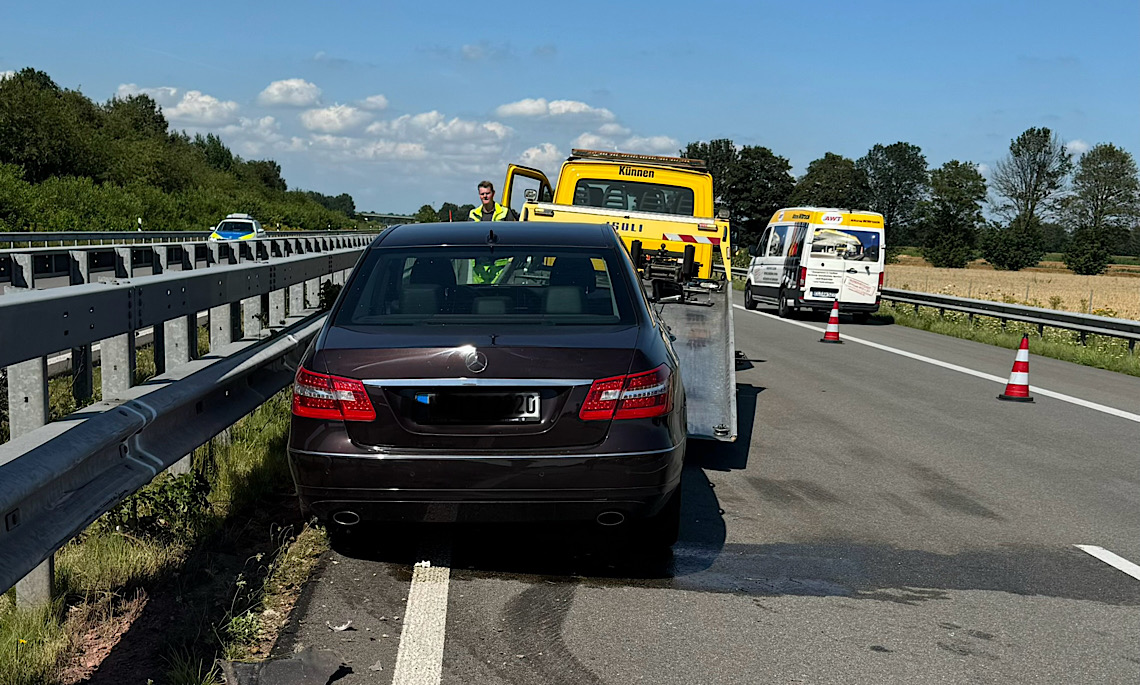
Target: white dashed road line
<point>1114,560</point>
<point>420,658</point>
<point>1113,411</point>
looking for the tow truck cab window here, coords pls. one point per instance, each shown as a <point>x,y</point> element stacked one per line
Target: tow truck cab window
<point>634,196</point>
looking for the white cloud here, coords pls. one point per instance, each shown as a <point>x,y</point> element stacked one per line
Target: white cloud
<point>613,130</point>
<point>165,96</point>
<point>564,107</point>
<point>335,119</point>
<point>540,107</point>
<point>375,102</point>
<point>253,137</point>
<point>198,109</point>
<point>435,126</point>
<point>592,141</point>
<point>293,92</point>
<point>648,145</point>
<point>524,108</point>
<point>1076,148</point>
<point>983,169</point>
<point>545,157</point>
<point>653,145</point>
<point>6,74</point>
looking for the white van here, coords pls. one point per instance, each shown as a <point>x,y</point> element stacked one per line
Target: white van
<point>809,257</point>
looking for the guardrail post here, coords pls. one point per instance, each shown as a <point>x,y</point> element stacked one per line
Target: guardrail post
<point>27,411</point>
<point>225,325</point>
<point>276,310</point>
<point>83,379</point>
<point>122,262</point>
<point>313,292</point>
<point>296,299</point>
<point>22,276</point>
<point>251,317</point>
<point>117,361</point>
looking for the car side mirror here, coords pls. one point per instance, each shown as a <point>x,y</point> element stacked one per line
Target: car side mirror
<point>531,195</point>
<point>754,250</point>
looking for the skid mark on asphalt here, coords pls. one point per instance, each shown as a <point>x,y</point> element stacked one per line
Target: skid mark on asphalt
<point>537,653</point>
<point>1112,411</point>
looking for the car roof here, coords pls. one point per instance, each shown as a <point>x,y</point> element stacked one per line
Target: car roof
<point>506,232</point>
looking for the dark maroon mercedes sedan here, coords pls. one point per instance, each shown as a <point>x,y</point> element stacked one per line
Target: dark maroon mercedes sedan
<point>492,372</point>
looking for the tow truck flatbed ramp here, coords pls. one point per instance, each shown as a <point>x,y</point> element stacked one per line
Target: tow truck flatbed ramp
<point>703,340</point>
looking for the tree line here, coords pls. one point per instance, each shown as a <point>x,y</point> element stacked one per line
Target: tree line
<point>1044,202</point>
<point>69,163</point>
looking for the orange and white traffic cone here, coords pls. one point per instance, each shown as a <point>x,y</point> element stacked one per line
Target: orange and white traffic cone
<point>1017,389</point>
<point>831,335</point>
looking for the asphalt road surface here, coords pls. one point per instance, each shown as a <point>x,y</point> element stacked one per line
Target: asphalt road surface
<point>881,519</point>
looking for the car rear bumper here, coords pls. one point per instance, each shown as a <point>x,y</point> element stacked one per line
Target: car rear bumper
<point>844,307</point>
<point>420,487</point>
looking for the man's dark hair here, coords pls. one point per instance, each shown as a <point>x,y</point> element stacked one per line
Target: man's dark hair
<point>486,184</point>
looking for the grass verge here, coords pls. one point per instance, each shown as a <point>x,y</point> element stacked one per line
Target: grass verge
<point>189,569</point>
<point>1101,352</point>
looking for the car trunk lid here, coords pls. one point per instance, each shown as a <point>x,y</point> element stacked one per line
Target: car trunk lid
<point>471,393</point>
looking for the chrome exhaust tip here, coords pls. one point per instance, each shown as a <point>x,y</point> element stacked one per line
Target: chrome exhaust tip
<point>611,518</point>
<point>346,518</point>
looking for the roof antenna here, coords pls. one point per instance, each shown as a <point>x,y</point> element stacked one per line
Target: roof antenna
<point>491,237</point>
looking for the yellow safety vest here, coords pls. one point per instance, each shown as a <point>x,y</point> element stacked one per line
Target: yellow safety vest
<point>477,213</point>
<point>487,273</point>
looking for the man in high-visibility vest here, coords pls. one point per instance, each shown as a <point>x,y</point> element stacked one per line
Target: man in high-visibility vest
<point>487,270</point>
<point>489,210</point>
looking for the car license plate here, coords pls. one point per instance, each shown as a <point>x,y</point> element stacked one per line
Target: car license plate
<point>480,408</point>
<point>526,407</point>
<point>824,294</point>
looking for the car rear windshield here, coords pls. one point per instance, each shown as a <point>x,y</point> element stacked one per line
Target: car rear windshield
<point>474,285</point>
<point>846,243</point>
<point>634,196</point>
<point>241,227</point>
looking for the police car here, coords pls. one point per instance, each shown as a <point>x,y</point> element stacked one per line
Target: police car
<point>238,227</point>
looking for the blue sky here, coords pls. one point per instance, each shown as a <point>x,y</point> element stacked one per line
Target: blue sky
<point>401,104</point>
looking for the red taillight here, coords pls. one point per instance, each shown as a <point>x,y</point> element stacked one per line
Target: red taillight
<point>636,396</point>
<point>318,396</point>
<point>803,276</point>
<point>881,274</point>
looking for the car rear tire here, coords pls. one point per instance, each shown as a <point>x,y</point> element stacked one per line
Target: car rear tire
<point>749,303</point>
<point>782,308</point>
<point>860,317</point>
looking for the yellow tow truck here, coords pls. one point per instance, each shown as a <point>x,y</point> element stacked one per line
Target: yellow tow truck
<point>663,208</point>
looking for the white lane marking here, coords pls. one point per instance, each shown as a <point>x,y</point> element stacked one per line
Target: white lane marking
<point>420,658</point>
<point>1114,560</point>
<point>1113,411</point>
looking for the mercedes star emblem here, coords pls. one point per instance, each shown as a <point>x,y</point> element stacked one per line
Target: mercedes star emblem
<point>476,362</point>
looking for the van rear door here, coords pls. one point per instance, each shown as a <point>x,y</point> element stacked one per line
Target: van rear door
<point>844,263</point>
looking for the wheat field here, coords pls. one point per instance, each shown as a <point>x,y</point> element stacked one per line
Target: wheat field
<point>1113,294</point>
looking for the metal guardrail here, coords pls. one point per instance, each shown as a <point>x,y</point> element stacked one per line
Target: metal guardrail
<point>125,237</point>
<point>54,266</point>
<point>36,323</point>
<point>1084,324</point>
<point>57,480</point>
<point>57,477</point>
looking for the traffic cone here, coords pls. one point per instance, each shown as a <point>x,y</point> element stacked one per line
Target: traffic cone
<point>831,335</point>
<point>1017,389</point>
